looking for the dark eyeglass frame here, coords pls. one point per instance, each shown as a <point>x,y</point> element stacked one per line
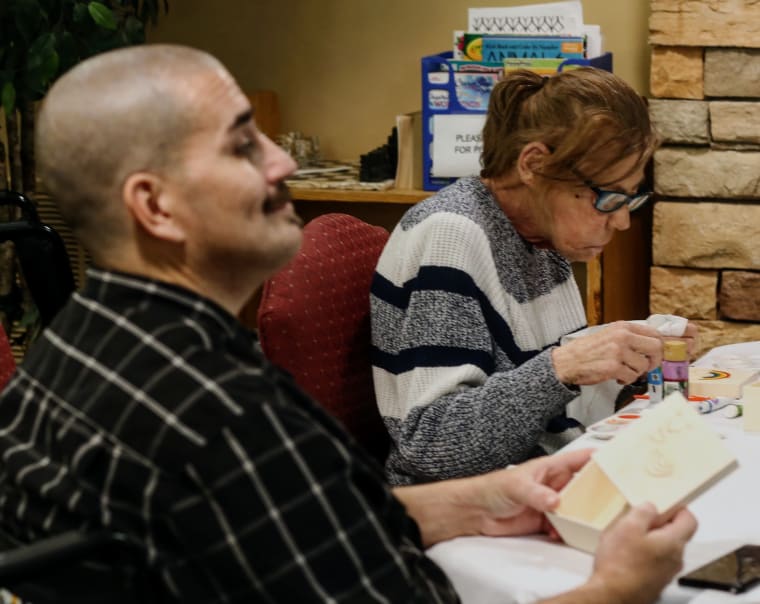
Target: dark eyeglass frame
<point>608,201</point>
<point>603,196</point>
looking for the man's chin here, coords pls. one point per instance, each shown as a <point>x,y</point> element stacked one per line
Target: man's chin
<point>295,219</point>
<point>287,212</point>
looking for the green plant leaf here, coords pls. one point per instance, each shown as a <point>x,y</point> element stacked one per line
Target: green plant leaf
<point>50,5</point>
<point>47,71</point>
<point>103,40</point>
<point>68,51</point>
<point>41,66</point>
<point>80,14</point>
<point>149,11</point>
<point>134,30</point>
<point>28,18</point>
<point>39,49</point>
<point>30,318</point>
<point>102,15</point>
<point>9,98</point>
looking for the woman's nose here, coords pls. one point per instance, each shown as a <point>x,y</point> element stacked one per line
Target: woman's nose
<point>620,219</point>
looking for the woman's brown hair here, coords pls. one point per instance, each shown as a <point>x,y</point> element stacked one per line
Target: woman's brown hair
<point>589,118</point>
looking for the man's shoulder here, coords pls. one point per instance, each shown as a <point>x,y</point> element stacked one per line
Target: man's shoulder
<point>137,376</point>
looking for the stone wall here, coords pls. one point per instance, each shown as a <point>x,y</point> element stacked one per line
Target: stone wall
<point>705,81</point>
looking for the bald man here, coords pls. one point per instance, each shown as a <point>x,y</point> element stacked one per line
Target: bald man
<point>148,409</point>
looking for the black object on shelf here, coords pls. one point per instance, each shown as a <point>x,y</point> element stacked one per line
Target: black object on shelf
<point>380,164</point>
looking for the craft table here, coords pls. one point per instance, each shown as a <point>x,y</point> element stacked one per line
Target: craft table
<point>506,570</point>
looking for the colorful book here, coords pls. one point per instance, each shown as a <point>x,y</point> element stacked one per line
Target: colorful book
<point>474,89</point>
<point>475,66</point>
<point>494,48</point>
<point>545,67</point>
<point>458,44</point>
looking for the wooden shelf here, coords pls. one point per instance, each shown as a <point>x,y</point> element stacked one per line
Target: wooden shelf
<point>615,286</point>
<point>403,196</point>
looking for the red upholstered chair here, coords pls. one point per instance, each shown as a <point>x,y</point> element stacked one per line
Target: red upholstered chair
<point>7,362</point>
<point>313,321</point>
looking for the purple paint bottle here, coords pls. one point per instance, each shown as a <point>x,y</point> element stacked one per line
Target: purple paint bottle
<point>675,368</point>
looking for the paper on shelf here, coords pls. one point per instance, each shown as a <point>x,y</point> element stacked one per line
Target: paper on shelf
<point>594,42</point>
<point>550,18</point>
<point>457,144</point>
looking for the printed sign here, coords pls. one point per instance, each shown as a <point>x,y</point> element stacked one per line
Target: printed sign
<point>457,144</point>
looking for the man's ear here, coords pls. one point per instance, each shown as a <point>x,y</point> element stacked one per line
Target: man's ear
<point>151,206</point>
<point>530,163</point>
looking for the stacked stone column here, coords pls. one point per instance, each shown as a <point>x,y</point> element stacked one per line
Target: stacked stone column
<point>705,84</point>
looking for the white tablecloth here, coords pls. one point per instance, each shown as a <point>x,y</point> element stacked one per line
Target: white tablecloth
<point>488,570</point>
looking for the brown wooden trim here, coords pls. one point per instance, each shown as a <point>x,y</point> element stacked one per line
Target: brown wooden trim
<point>594,314</point>
<point>408,196</point>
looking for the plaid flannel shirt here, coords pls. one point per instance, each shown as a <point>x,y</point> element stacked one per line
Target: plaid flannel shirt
<point>149,409</point>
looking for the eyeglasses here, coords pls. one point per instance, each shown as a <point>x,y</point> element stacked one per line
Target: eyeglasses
<point>611,201</point>
<point>608,201</point>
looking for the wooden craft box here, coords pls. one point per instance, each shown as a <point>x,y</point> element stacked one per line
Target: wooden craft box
<point>704,381</point>
<point>751,401</point>
<point>667,457</point>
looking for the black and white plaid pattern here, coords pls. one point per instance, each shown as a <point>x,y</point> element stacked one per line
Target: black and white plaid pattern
<point>149,409</point>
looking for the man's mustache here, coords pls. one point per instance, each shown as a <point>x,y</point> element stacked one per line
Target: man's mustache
<point>279,198</point>
<point>281,195</point>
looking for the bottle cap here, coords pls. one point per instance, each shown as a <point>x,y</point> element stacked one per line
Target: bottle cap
<point>675,350</point>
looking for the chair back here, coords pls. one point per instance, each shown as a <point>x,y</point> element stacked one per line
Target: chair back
<point>313,321</point>
<point>7,362</point>
<point>41,254</point>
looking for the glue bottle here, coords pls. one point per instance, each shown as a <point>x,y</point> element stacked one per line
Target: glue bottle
<point>675,368</point>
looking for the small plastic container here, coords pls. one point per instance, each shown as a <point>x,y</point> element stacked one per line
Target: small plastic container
<point>654,385</point>
<point>675,368</point>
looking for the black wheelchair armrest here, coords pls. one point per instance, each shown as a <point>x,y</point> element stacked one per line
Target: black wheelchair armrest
<point>26,561</point>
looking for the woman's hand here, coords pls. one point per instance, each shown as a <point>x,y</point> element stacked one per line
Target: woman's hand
<point>622,351</point>
<point>691,337</point>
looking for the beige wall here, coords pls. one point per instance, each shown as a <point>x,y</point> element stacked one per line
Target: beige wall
<point>343,69</point>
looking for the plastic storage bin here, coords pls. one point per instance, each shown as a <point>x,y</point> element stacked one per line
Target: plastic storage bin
<point>446,92</point>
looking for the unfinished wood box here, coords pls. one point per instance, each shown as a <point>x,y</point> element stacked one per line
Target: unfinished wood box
<point>751,401</point>
<point>667,457</point>
<point>704,381</point>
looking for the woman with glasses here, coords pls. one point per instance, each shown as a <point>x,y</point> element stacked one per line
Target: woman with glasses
<point>474,289</point>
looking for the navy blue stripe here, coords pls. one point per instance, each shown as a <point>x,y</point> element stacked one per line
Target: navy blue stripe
<point>455,281</point>
<point>383,289</point>
<point>431,356</point>
<point>560,423</point>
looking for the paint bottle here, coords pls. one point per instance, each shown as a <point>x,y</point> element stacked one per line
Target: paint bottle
<point>675,368</point>
<point>654,385</point>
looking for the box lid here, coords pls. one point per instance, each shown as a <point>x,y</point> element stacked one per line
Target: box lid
<point>709,381</point>
<point>667,457</point>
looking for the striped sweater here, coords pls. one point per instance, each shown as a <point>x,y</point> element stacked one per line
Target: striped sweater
<point>464,315</point>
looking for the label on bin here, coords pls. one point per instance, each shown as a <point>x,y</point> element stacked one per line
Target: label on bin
<point>457,144</point>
